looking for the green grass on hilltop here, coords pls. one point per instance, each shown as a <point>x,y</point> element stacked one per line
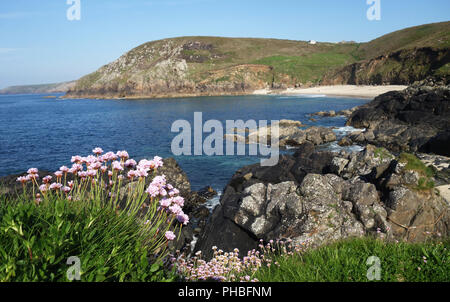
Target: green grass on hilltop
<point>346,261</point>
<point>436,35</point>
<point>306,68</point>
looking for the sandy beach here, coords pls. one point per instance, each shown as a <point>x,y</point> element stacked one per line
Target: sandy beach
<point>338,90</point>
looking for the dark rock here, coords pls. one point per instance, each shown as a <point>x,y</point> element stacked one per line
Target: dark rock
<point>317,197</point>
<point>207,192</point>
<point>416,119</point>
<point>345,141</point>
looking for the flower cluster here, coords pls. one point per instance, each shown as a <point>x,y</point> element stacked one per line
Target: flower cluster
<point>101,176</point>
<point>229,267</point>
<point>225,267</point>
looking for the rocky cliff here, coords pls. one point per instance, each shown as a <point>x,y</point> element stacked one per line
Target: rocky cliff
<point>317,197</point>
<point>402,67</point>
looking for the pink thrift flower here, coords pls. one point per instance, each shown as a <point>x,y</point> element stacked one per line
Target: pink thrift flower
<point>145,164</point>
<point>77,167</point>
<point>179,201</point>
<point>55,186</point>
<point>95,165</point>
<point>131,174</point>
<point>158,162</point>
<point>141,172</point>
<point>165,202</point>
<point>76,159</point>
<point>58,174</point>
<point>47,179</point>
<point>123,154</point>
<point>131,163</point>
<point>175,209</point>
<point>64,169</point>
<point>117,166</point>
<point>43,188</point>
<point>183,218</point>
<point>97,151</point>
<point>170,235</point>
<point>110,156</point>
<point>152,190</point>
<point>33,171</point>
<point>22,179</point>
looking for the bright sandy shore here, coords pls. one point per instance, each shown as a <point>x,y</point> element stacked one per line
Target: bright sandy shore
<point>445,192</point>
<point>338,90</point>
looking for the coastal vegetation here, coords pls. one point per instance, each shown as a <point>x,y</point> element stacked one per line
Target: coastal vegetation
<point>117,232</point>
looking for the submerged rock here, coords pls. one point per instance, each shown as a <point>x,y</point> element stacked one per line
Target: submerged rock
<point>288,134</point>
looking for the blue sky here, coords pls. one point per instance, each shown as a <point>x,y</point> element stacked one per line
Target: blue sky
<point>39,45</point>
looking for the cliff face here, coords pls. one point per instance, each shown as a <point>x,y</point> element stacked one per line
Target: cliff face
<point>174,68</point>
<point>398,68</point>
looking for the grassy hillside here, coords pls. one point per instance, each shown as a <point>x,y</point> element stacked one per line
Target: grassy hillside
<point>215,65</point>
<point>42,88</point>
<point>435,35</point>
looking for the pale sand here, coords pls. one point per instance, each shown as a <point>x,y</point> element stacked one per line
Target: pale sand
<point>445,192</point>
<point>338,90</point>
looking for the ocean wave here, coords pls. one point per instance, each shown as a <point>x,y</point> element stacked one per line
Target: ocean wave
<point>334,147</point>
<point>346,130</point>
<point>213,202</point>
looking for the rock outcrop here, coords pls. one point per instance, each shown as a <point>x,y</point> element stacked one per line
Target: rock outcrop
<point>288,133</point>
<point>416,119</point>
<point>319,197</point>
<point>402,67</point>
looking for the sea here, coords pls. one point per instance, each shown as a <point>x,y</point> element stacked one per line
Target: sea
<point>42,132</point>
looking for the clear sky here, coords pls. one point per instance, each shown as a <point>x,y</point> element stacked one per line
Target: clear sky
<point>38,44</point>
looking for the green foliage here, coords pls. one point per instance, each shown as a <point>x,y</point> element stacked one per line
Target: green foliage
<point>444,70</point>
<point>346,262</point>
<point>38,240</point>
<point>425,184</point>
<point>427,173</point>
<point>382,153</point>
<point>415,164</point>
<point>310,67</point>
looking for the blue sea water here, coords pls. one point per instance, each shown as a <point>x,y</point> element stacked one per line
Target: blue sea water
<point>44,133</point>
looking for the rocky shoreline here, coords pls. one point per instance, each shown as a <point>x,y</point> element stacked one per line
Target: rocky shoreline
<point>318,197</point>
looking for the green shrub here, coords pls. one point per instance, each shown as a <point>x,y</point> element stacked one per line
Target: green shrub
<point>415,164</point>
<point>427,173</point>
<point>36,242</point>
